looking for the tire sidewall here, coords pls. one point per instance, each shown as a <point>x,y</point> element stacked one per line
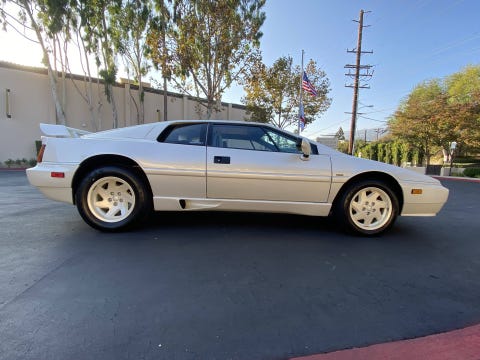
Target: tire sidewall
<point>140,207</point>
<point>344,211</point>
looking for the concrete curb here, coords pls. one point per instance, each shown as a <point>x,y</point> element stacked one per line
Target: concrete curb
<point>13,169</point>
<point>456,178</point>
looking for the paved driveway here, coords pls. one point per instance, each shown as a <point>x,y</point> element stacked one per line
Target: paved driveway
<point>227,286</point>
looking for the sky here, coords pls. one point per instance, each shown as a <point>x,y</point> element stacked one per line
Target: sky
<point>412,41</point>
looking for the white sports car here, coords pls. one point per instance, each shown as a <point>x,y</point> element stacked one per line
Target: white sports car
<point>116,177</point>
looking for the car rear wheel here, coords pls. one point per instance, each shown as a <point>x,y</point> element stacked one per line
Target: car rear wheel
<point>112,198</point>
<point>367,207</point>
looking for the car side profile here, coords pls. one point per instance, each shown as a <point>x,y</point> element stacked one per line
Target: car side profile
<point>117,177</point>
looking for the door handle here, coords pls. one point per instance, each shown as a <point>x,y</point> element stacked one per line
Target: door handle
<point>221,159</point>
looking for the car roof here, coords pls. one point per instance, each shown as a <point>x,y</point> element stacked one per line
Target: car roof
<point>145,131</point>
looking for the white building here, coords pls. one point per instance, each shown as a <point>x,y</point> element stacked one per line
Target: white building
<point>330,141</point>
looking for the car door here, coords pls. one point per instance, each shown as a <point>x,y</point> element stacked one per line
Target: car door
<point>177,167</point>
<point>251,162</point>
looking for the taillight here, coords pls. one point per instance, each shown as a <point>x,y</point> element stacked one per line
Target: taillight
<point>55,174</point>
<point>40,153</point>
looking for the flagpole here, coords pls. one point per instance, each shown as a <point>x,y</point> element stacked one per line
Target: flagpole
<point>301,97</point>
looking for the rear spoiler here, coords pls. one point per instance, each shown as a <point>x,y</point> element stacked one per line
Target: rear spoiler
<point>62,131</point>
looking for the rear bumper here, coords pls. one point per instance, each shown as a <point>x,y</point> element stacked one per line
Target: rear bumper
<point>58,189</point>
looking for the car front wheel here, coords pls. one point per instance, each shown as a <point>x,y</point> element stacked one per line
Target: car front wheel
<point>112,198</point>
<point>368,207</point>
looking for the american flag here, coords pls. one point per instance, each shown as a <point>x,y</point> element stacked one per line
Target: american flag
<point>301,116</point>
<point>307,85</point>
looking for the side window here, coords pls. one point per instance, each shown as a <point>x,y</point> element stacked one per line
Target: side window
<point>284,142</point>
<point>241,137</point>
<point>187,134</point>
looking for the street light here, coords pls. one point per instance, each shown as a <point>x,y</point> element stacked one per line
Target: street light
<point>365,106</point>
<point>453,146</point>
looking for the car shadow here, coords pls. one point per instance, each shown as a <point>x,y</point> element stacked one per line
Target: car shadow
<point>199,219</point>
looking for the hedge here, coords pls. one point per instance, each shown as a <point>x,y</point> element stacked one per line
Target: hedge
<point>391,152</point>
<point>472,172</point>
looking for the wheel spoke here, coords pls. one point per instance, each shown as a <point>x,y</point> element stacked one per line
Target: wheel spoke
<point>369,220</point>
<point>362,196</point>
<point>102,204</point>
<point>110,213</point>
<point>380,205</point>
<point>123,209</point>
<point>103,193</point>
<point>357,207</point>
<point>128,197</point>
<point>359,217</point>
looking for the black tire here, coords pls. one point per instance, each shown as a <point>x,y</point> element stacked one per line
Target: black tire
<point>112,198</point>
<point>368,208</point>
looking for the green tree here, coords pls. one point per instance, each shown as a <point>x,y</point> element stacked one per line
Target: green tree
<point>158,50</point>
<point>396,147</point>
<point>423,119</point>
<point>406,153</point>
<point>463,86</point>
<point>440,111</point>
<point>372,151</point>
<point>388,153</point>
<point>340,134</point>
<point>98,31</point>
<point>343,146</point>
<point>130,25</point>
<point>272,93</point>
<point>380,151</point>
<point>463,89</point>
<point>210,45</point>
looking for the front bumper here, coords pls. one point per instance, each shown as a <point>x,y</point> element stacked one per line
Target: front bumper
<point>429,203</point>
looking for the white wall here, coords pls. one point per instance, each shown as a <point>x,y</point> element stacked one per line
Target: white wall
<point>30,103</point>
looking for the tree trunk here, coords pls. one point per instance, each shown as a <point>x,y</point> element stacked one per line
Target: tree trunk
<point>209,107</point>
<point>141,100</point>
<point>114,107</point>
<point>51,76</point>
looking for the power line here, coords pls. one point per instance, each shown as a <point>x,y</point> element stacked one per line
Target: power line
<point>328,127</point>
<point>364,117</point>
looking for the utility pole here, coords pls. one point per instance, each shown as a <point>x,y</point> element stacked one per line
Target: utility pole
<point>356,76</point>
<point>380,131</point>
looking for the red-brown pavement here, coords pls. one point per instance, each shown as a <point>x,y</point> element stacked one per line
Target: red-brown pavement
<point>463,344</point>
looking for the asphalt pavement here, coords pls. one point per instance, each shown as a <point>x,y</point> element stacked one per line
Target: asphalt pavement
<point>227,285</point>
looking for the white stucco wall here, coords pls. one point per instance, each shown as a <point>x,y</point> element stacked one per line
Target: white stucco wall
<point>30,103</point>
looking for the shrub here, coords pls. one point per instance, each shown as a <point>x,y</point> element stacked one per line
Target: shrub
<point>472,172</point>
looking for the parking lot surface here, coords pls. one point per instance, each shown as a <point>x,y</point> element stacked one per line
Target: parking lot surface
<point>227,285</point>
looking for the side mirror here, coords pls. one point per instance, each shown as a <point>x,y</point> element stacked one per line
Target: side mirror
<point>304,145</point>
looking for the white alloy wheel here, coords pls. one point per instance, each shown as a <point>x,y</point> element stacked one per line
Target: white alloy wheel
<point>370,208</point>
<point>111,199</point>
